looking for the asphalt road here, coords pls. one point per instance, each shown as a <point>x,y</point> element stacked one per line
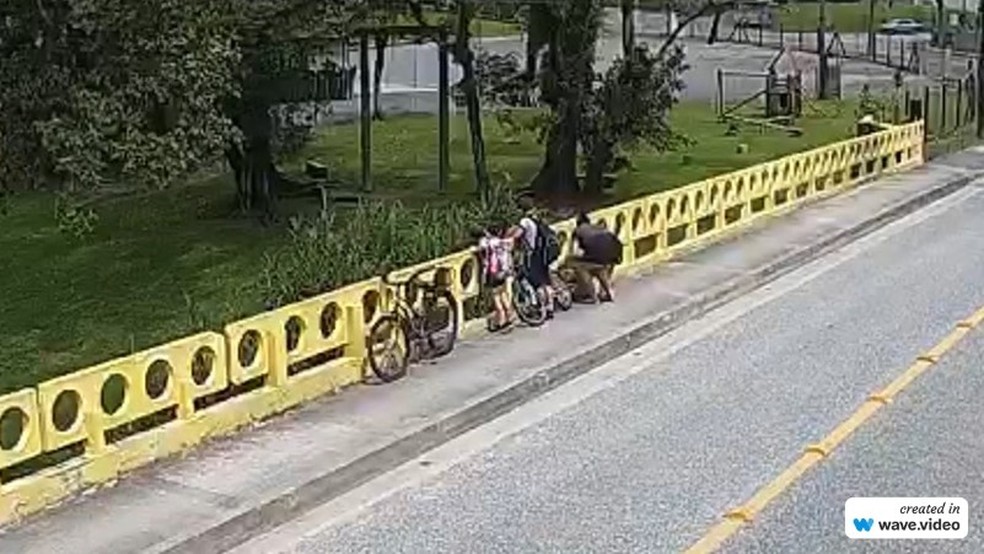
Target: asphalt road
<point>645,453</point>
<point>928,444</point>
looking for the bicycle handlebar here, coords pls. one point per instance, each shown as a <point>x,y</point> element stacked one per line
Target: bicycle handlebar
<point>414,278</point>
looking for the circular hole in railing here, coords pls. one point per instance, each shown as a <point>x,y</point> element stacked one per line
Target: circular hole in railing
<point>294,328</point>
<point>619,223</point>
<point>467,273</point>
<point>603,223</point>
<point>563,239</point>
<point>442,277</point>
<point>670,208</point>
<point>654,213</point>
<point>785,171</point>
<point>329,319</point>
<point>699,202</point>
<point>410,293</point>
<point>113,394</point>
<point>202,365</point>
<point>370,303</point>
<point>65,410</point>
<point>249,347</point>
<point>775,173</point>
<point>684,204</point>
<point>637,219</point>
<point>714,193</point>
<point>157,378</point>
<point>764,177</point>
<point>13,424</point>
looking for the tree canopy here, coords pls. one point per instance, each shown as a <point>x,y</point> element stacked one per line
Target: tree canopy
<point>98,94</point>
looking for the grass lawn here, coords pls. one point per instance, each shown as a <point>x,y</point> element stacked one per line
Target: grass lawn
<point>405,152</point>
<point>69,303</point>
<point>849,18</point>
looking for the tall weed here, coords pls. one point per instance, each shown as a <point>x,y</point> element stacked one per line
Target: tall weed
<point>343,247</point>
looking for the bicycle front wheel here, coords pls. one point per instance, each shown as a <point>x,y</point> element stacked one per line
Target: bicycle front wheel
<point>563,297</point>
<point>441,324</point>
<point>527,304</point>
<point>388,348</point>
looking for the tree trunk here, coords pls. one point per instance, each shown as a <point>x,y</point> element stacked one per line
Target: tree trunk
<point>474,109</point>
<point>257,178</point>
<point>382,40</point>
<point>628,27</point>
<point>600,160</point>
<point>466,58</point>
<point>237,162</point>
<point>712,36</point>
<point>568,76</point>
<point>263,178</point>
<point>532,57</point>
<point>940,24</point>
<point>558,174</point>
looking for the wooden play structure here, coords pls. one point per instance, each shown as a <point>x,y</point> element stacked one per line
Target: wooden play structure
<point>782,94</point>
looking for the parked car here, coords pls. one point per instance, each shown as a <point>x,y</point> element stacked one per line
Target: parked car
<point>903,27</point>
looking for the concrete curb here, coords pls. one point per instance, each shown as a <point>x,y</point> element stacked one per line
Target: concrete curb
<point>263,518</point>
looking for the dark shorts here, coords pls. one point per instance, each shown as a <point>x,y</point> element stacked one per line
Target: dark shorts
<point>539,272</point>
<point>495,283</point>
<point>592,266</point>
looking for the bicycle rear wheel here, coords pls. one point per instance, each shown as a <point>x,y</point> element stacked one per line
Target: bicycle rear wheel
<point>388,348</point>
<point>563,297</point>
<point>441,323</point>
<point>527,304</point>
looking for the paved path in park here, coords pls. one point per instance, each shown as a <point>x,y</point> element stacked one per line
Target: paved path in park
<point>410,78</point>
<point>643,452</point>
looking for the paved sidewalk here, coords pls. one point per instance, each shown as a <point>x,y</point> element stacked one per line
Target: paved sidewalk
<point>234,488</point>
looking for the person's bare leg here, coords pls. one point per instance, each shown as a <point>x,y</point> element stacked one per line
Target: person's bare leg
<point>586,282</point>
<point>507,310</point>
<point>605,279</point>
<point>546,296</point>
<point>501,316</point>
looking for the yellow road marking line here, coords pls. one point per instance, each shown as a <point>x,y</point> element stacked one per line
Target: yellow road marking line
<point>814,453</point>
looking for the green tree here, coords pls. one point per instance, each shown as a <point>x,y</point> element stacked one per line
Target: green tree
<point>277,39</point>
<point>566,79</point>
<point>96,93</point>
<point>630,106</point>
<point>596,115</point>
<point>465,57</point>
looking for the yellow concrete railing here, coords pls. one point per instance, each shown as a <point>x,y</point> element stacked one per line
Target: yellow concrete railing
<point>105,420</point>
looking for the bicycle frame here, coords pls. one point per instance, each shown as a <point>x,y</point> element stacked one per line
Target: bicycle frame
<point>404,309</point>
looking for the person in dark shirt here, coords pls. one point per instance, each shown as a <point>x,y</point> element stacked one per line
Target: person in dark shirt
<point>599,252</point>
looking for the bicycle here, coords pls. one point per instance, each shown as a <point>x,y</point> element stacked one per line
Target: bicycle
<point>563,291</point>
<point>407,335</point>
<point>526,300</point>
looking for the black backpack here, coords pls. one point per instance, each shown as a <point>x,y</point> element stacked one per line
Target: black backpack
<point>549,242</point>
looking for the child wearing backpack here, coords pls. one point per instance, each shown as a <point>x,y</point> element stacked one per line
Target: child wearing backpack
<point>496,252</point>
<point>541,247</point>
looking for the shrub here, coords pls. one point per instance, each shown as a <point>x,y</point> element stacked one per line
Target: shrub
<point>340,248</point>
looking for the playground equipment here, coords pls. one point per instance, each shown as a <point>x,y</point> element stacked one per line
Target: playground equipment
<point>783,95</point>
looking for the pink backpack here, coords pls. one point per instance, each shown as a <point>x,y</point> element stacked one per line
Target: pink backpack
<point>495,257</point>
